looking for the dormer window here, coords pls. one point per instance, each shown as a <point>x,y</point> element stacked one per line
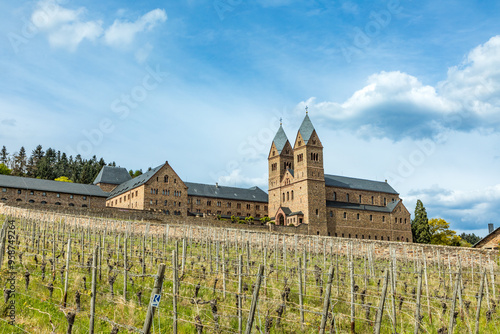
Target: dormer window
<point>314,142</point>
<point>300,142</point>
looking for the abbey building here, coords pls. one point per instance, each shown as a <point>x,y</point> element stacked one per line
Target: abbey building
<point>301,193</point>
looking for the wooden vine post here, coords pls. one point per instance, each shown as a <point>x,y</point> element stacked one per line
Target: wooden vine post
<point>156,291</point>
<point>68,257</point>
<point>380,311</point>
<point>93,291</point>
<point>255,297</point>
<point>326,302</point>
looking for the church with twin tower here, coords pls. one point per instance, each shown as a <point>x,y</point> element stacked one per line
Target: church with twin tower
<point>301,194</point>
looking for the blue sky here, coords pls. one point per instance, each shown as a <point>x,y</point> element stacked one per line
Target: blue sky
<point>407,91</point>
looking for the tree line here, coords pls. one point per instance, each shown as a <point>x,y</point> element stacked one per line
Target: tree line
<point>50,164</point>
<point>437,231</point>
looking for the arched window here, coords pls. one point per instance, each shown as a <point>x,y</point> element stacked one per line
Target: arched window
<point>31,201</point>
<point>84,206</point>
<point>287,196</point>
<point>58,203</point>
<point>43,202</point>
<point>283,197</point>
<point>292,194</point>
<point>334,196</point>
<point>165,178</point>
<point>71,204</point>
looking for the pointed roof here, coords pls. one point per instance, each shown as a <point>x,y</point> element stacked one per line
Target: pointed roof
<point>135,182</point>
<point>306,129</point>
<point>280,139</point>
<point>112,175</point>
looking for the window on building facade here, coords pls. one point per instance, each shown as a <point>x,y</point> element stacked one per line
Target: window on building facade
<point>58,195</point>
<point>151,202</point>
<point>229,213</point>
<point>383,218</point>
<point>219,203</point>
<point>317,212</point>
<point>334,196</point>
<point>265,207</point>
<point>395,220</point>
<point>401,220</point>
<point>287,195</point>
<point>209,211</point>
<point>165,178</point>
<point>19,191</point>
<point>175,180</point>
<point>331,213</point>
<point>45,194</point>
<point>359,198</point>
<point>198,201</point>
<point>228,204</point>
<point>84,198</point>
<point>248,206</point>
<point>136,192</point>
<point>372,200</point>
<point>71,196</point>
<point>347,197</point>
<point>238,205</point>
<point>292,195</point>
<point>283,197</point>
<point>385,201</point>
<point>32,192</point>
<point>357,216</point>
<point>4,190</point>
<point>165,203</point>
<point>209,203</point>
<point>300,157</point>
<point>371,218</point>
<point>345,215</point>
<point>257,207</point>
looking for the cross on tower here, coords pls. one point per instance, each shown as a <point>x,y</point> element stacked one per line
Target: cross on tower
<point>307,108</point>
<point>281,120</point>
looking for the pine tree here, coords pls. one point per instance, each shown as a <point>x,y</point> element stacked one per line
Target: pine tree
<point>34,160</point>
<point>420,225</point>
<point>4,155</point>
<point>19,163</point>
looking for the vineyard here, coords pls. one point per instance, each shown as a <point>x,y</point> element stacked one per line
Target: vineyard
<point>74,274</point>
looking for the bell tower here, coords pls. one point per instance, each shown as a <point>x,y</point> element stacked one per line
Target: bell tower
<point>280,159</point>
<point>310,177</point>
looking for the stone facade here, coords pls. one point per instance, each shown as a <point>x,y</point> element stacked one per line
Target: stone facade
<point>491,241</point>
<point>162,190</point>
<point>12,195</point>
<point>301,193</point>
<point>209,206</point>
<point>107,187</point>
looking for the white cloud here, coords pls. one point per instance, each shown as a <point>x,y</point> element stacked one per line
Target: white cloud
<point>465,209</point>
<point>67,28</point>
<point>71,35</point>
<point>123,33</point>
<point>396,104</point>
<point>235,178</point>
